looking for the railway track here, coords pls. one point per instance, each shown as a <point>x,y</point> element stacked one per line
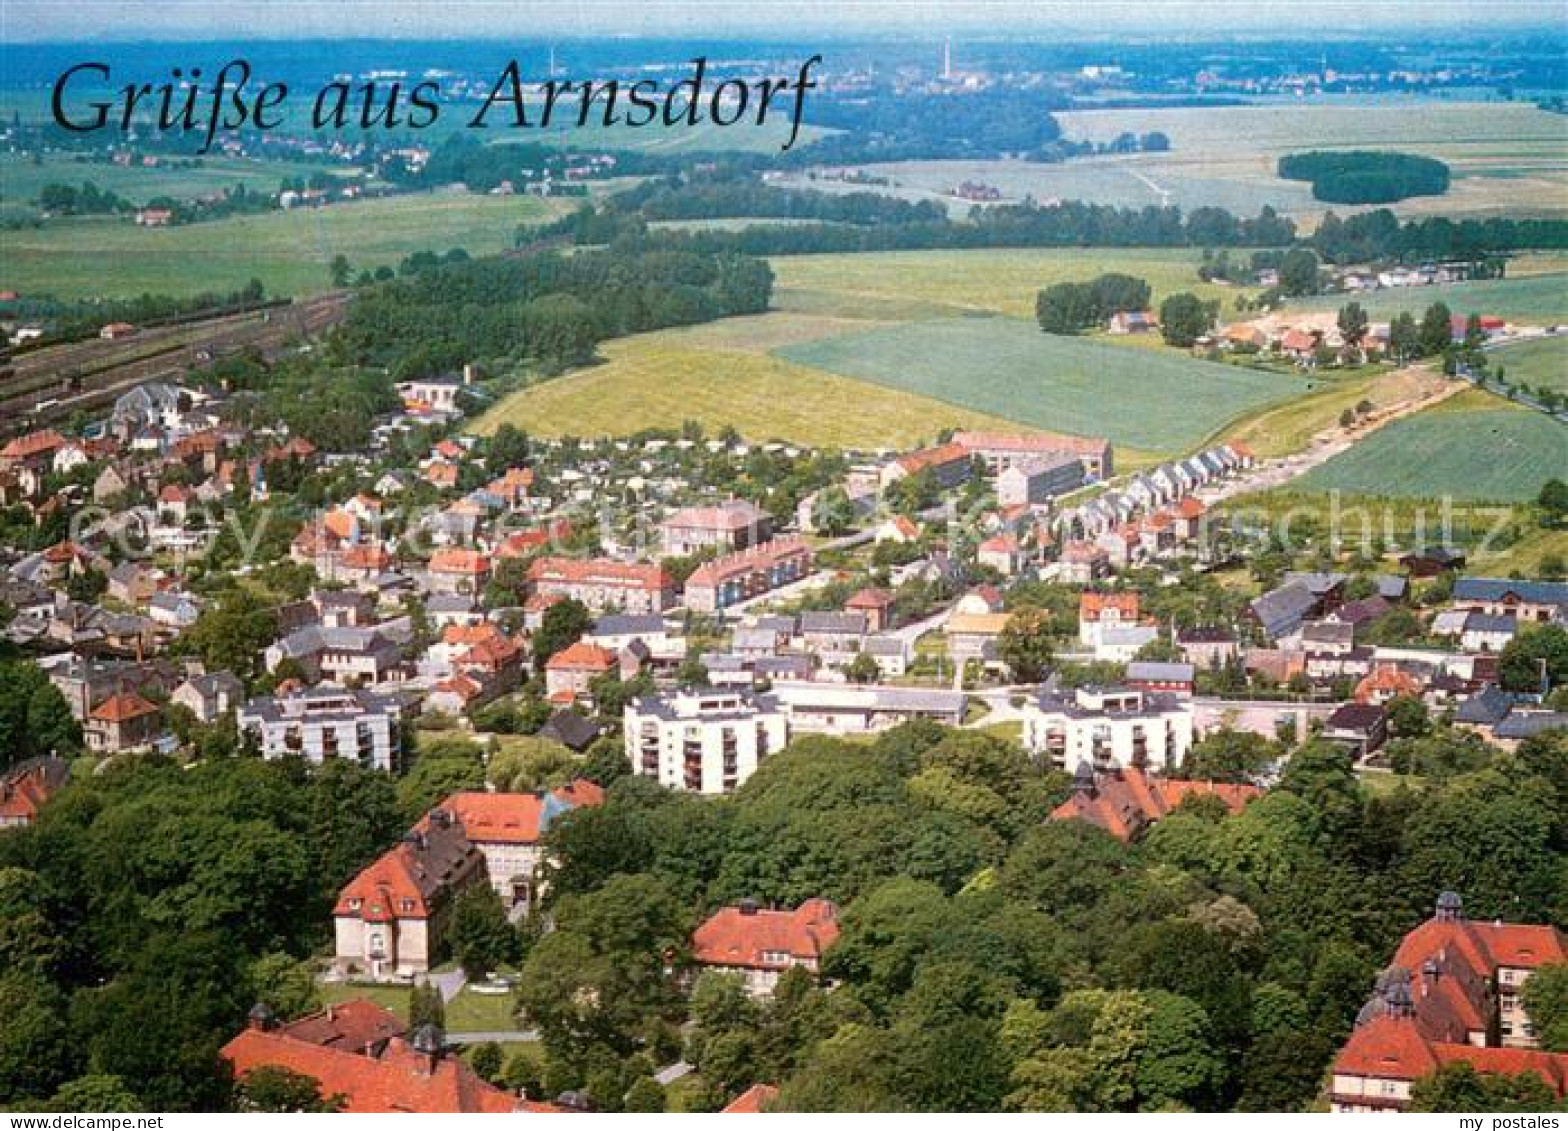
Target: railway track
<point>51,385</point>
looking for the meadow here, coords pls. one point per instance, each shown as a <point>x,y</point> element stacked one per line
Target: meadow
<point>1155,401</point>
<point>1473,448</point>
<point>1537,298</point>
<point>22,178</point>
<point>290,252</point>
<point>1541,364</point>
<point>718,376</point>
<point>1000,281</point>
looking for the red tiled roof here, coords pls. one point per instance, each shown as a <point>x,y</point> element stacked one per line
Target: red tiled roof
<point>513,818</point>
<point>938,456</point>
<point>1125,802</point>
<point>599,571</point>
<point>870,599</point>
<point>1091,605</point>
<point>729,516</point>
<point>123,706</point>
<point>33,444</point>
<point>756,558</point>
<point>27,787</point>
<point>469,562</point>
<point>753,1101</point>
<point>582,656</point>
<point>399,1079</point>
<point>353,1026</point>
<point>1031,442</point>
<point>737,936</point>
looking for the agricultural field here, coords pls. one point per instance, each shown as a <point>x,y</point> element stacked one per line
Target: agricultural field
<point>1541,364</point>
<point>1504,156</point>
<point>1474,447</point>
<point>1162,401</point>
<point>1290,427</point>
<point>22,178</point>
<point>719,375</point>
<point>288,251</point>
<point>1534,299</point>
<point>1000,281</point>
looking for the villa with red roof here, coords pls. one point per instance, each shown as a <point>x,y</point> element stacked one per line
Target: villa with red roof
<point>390,918</point>
<point>1450,996</point>
<point>948,464</point>
<point>761,945</point>
<point>1100,611</point>
<point>1127,801</point>
<point>569,674</point>
<point>365,1063</point>
<point>26,786</point>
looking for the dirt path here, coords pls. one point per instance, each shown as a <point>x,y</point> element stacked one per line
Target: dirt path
<point>1268,474</point>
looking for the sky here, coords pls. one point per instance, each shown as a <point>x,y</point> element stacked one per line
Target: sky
<point>90,20</point>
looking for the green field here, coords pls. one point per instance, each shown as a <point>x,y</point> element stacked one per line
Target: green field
<point>288,251</point>
<point>1473,448</point>
<point>1541,364</point>
<point>1532,299</point>
<point>22,178</point>
<point>1162,401</point>
<point>718,375</point>
<point>1004,281</point>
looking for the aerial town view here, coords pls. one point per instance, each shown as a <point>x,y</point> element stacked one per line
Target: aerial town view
<point>650,557</point>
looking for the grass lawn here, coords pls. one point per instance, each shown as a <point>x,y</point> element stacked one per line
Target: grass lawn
<point>707,374</point>
<point>1478,450</point>
<point>1159,401</point>
<point>1541,364</point>
<point>288,251</point>
<point>1541,298</point>
<point>469,1012</point>
<point>394,998</point>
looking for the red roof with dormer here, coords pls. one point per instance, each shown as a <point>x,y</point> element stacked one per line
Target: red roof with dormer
<point>757,938</point>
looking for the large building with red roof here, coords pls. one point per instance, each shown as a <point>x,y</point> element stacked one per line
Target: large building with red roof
<point>1002,450</point>
<point>761,944</point>
<point>605,585</point>
<point>390,919</point>
<point>737,577</point>
<point>726,527</point>
<point>365,1063</point>
<point>1127,801</point>
<point>1450,996</point>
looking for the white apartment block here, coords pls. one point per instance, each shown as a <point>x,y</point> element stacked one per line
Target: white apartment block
<point>327,722</point>
<point>707,741</point>
<point>1110,728</point>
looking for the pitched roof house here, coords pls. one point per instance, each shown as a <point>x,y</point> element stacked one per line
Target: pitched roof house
<point>1450,996</point>
<point>762,944</point>
<point>1124,802</point>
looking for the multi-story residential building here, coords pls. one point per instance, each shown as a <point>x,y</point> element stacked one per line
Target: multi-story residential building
<point>1450,996</point>
<point>362,655</point>
<point>749,573</point>
<point>1037,481</point>
<point>1539,601</point>
<point>390,919</point>
<point>1109,728</point>
<point>760,944</point>
<point>729,526</point>
<point>508,831</point>
<point>605,585</point>
<point>707,741</point>
<point>327,722</point>
<point>1003,450</point>
<point>570,673</point>
<point>210,696</point>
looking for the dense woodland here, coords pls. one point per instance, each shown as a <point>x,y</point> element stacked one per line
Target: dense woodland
<point>1365,177</point>
<point>989,959</point>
